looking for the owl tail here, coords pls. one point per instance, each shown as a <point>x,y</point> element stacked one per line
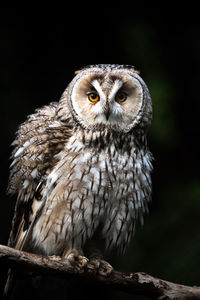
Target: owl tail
<point>9,285</point>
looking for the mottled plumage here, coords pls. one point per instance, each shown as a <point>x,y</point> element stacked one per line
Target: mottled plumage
<point>81,167</point>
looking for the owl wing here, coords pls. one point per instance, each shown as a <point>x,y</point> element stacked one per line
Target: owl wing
<point>38,141</point>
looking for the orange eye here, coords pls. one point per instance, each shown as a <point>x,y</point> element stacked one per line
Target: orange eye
<point>93,97</point>
<point>121,97</point>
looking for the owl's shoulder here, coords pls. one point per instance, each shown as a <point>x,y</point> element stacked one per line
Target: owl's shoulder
<point>37,141</point>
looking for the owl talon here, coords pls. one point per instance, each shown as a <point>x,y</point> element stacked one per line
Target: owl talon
<point>93,265</point>
<point>105,268</point>
<point>99,266</point>
<point>77,261</point>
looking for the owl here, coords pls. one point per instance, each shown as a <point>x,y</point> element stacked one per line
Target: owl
<point>81,168</point>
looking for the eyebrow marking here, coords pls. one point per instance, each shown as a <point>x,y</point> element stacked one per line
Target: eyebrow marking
<point>95,83</point>
<point>117,85</point>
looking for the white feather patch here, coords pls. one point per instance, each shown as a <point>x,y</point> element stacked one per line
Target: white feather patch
<point>26,183</point>
<point>34,173</point>
<point>19,151</point>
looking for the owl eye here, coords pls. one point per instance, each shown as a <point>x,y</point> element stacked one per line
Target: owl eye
<point>93,97</point>
<point>121,97</point>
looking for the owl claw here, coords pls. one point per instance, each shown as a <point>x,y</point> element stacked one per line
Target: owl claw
<point>105,268</point>
<point>77,261</point>
<point>93,265</point>
<point>99,266</point>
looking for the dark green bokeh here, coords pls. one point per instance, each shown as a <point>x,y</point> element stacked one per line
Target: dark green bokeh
<point>38,60</point>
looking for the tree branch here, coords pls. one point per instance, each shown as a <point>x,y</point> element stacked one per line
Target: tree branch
<point>134,283</point>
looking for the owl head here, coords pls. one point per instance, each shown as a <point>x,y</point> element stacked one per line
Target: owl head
<point>112,96</point>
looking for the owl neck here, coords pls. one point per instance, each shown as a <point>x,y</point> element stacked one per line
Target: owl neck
<point>123,142</point>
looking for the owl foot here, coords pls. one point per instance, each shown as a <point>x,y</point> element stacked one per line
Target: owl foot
<point>99,266</point>
<point>76,260</point>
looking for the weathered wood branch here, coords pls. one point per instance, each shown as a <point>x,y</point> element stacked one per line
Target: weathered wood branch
<point>134,283</point>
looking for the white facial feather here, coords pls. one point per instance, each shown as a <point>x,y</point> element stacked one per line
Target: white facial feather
<point>98,88</point>
<point>116,87</point>
<point>107,102</point>
<point>107,110</point>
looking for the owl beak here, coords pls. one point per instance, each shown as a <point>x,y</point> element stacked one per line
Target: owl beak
<point>107,113</point>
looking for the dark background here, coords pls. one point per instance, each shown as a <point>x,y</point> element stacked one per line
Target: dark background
<point>40,48</point>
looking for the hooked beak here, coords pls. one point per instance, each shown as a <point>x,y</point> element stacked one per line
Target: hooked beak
<point>107,112</point>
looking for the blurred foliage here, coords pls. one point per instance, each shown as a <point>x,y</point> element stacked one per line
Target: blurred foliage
<point>38,62</point>
<point>141,42</point>
<point>162,130</point>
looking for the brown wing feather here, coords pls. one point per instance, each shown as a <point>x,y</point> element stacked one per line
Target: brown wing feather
<point>38,140</point>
